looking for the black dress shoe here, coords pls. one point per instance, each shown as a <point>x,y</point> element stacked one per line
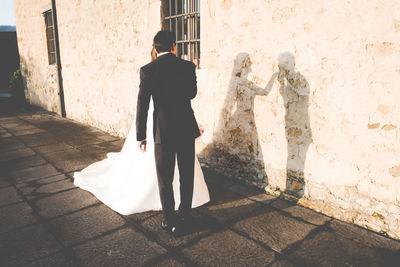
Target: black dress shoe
<point>169,228</point>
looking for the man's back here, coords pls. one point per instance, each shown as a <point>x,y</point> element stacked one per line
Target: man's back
<point>172,84</point>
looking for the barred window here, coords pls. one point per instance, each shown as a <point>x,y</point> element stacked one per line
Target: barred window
<point>51,45</point>
<point>183,19</point>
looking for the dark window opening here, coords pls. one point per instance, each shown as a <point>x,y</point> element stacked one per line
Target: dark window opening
<point>50,37</point>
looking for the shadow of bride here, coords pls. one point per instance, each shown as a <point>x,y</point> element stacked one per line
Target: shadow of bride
<point>295,91</point>
<point>235,148</point>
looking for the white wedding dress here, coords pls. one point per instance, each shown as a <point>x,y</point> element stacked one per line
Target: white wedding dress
<point>126,181</point>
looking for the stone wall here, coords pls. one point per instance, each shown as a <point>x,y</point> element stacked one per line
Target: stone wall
<point>40,78</point>
<point>103,44</point>
<point>301,97</point>
<point>305,102</point>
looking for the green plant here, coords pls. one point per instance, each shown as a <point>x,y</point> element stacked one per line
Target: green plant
<point>15,82</point>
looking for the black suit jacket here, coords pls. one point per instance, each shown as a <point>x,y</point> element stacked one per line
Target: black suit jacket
<point>171,82</point>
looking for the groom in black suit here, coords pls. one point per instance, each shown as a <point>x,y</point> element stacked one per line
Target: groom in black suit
<point>171,82</point>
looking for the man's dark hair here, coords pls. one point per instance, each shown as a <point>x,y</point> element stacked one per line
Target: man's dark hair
<point>163,41</point>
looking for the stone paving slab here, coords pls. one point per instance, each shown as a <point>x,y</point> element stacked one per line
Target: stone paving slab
<point>340,251</point>
<point>33,173</point>
<point>47,149</point>
<point>18,125</point>
<point>16,154</point>
<point>274,229</point>
<point>125,247</point>
<point>228,248</point>
<point>232,209</point>
<point>15,216</point>
<point>203,226</point>
<point>76,164</point>
<point>81,140</point>
<point>252,193</point>
<point>9,195</point>
<point>86,224</point>
<point>4,134</point>
<point>10,143</point>
<point>25,245</point>
<point>169,262</point>
<point>41,188</point>
<point>360,235</point>
<point>56,259</point>
<point>61,155</point>
<point>64,202</point>
<point>100,150</point>
<point>22,163</point>
<point>27,132</point>
<point>4,182</point>
<point>226,205</point>
<point>46,221</point>
<point>38,139</point>
<point>299,212</point>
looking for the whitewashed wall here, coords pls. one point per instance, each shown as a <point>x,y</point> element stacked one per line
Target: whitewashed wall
<point>40,78</point>
<point>299,97</point>
<point>327,133</point>
<point>103,44</point>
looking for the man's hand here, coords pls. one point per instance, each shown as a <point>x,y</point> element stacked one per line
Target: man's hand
<point>142,145</point>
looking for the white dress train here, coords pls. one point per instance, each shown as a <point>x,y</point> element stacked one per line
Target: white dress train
<point>126,181</point>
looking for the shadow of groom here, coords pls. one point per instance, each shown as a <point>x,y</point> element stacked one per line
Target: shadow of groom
<point>295,91</point>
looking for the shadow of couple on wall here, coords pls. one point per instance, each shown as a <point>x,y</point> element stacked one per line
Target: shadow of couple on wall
<point>235,149</point>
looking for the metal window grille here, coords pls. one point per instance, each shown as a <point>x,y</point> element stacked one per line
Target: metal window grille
<point>183,18</point>
<point>51,45</point>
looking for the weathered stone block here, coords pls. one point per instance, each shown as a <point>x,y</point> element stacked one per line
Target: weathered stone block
<point>125,247</point>
<point>228,249</point>
<point>86,224</point>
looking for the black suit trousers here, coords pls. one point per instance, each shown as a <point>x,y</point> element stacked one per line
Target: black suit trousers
<point>165,155</point>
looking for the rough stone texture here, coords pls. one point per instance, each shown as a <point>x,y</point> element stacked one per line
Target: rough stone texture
<point>170,262</point>
<point>116,60</point>
<point>25,245</point>
<point>228,249</point>
<point>8,195</point>
<point>56,259</point>
<point>39,139</point>
<point>46,222</point>
<point>53,148</point>
<point>64,202</point>
<point>311,102</point>
<point>15,216</point>
<point>283,231</point>
<point>34,173</point>
<point>307,109</point>
<point>125,247</point>
<point>16,154</point>
<point>23,163</point>
<point>11,143</point>
<point>202,227</point>
<point>346,252</point>
<point>86,224</point>
<point>300,212</point>
<point>228,206</point>
<point>46,186</point>
<point>40,78</point>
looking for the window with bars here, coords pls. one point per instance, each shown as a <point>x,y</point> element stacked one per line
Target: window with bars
<point>183,19</point>
<point>51,45</point>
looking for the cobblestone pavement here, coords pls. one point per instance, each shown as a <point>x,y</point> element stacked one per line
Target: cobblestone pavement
<point>47,221</point>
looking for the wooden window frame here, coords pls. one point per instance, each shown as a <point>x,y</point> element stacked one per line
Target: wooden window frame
<point>50,37</point>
